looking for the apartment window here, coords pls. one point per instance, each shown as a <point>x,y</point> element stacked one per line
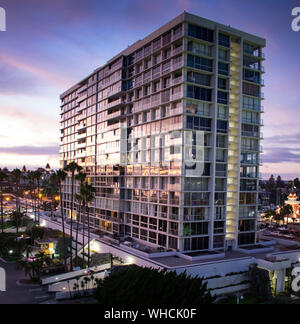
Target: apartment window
<point>223,68</point>
<point>202,79</point>
<point>251,76</point>
<point>221,141</point>
<point>248,198</point>
<point>247,212</point>
<point>222,83</point>
<point>251,117</point>
<point>156,59</point>
<point>249,158</point>
<point>249,172</point>
<point>191,229</point>
<point>223,54</point>
<point>196,184</point>
<point>201,33</point>
<point>247,225</point>
<point>223,97</point>
<point>222,126</point>
<point>147,50</point>
<point>156,44</point>
<point>198,123</point>
<point>200,63</point>
<point>173,243</point>
<point>197,243</point>
<point>246,238</point>
<point>248,185</point>
<point>250,130</point>
<point>199,49</point>
<point>220,198</point>
<point>224,40</point>
<point>222,112</point>
<point>221,155</point>
<point>156,86</point>
<point>166,39</point>
<point>219,227</point>
<point>251,103</point>
<point>199,93</point>
<point>252,63</point>
<point>167,54</point>
<point>147,64</point>
<point>201,108</point>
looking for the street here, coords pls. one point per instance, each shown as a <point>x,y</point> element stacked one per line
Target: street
<point>17,294</point>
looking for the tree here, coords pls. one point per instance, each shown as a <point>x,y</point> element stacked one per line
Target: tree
<point>270,214</point>
<point>279,182</point>
<point>87,192</point>
<point>144,286</point>
<point>81,178</point>
<point>16,177</point>
<point>260,284</point>
<point>31,184</point>
<point>63,248</point>
<point>3,176</point>
<point>72,168</point>
<point>79,200</point>
<point>297,183</point>
<point>17,218</point>
<point>34,269</point>
<point>60,176</point>
<point>286,211</point>
<point>38,178</point>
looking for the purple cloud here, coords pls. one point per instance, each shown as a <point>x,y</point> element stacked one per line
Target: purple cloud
<point>30,150</point>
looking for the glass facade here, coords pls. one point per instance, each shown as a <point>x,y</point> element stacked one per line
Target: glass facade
<point>151,130</point>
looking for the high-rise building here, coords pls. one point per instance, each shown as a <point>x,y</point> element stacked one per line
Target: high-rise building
<point>169,133</point>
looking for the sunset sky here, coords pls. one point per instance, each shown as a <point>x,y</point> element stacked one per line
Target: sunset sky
<point>51,44</point>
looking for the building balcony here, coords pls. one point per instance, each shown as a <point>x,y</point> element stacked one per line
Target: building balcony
<point>80,146</point>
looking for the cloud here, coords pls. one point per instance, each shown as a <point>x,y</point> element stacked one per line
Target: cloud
<point>15,81</point>
<point>30,150</point>
<point>284,139</point>
<point>281,155</point>
<point>55,79</point>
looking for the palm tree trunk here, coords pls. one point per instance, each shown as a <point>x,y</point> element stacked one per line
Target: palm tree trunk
<point>63,223</point>
<point>77,231</point>
<point>71,231</point>
<point>83,234</point>
<point>89,237</point>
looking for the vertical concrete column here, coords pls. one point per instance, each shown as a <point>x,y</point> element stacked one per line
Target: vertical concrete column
<point>280,281</point>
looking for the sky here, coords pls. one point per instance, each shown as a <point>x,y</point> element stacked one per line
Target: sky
<point>50,45</point>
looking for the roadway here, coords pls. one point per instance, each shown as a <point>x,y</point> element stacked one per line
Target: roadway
<point>21,294</point>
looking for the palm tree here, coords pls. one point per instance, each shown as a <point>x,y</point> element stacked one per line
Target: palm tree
<point>3,176</point>
<point>81,176</point>
<point>51,191</point>
<point>31,184</point>
<point>38,178</point>
<point>16,176</point>
<point>72,168</point>
<point>60,176</point>
<point>79,200</point>
<point>87,193</point>
<point>17,218</point>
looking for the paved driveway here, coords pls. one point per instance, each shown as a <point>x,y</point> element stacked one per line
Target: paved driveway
<point>16,294</point>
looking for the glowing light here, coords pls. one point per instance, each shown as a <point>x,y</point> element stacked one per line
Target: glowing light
<point>129,260</point>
